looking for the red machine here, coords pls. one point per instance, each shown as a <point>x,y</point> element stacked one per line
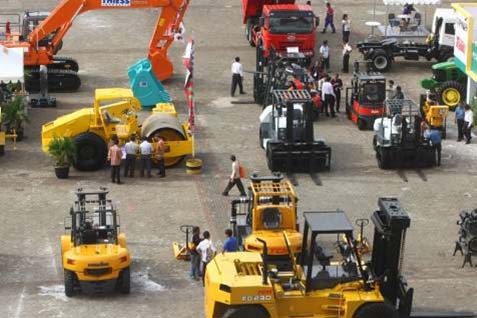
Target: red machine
<point>62,72</point>
<point>280,24</point>
<point>365,98</point>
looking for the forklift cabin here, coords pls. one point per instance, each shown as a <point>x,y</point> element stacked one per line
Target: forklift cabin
<point>365,98</point>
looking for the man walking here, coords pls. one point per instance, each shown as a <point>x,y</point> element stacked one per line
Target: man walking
<point>234,178</point>
<point>468,123</point>
<point>325,53</point>
<point>159,154</point>
<point>206,250</point>
<point>114,156</point>
<point>131,149</point>
<point>337,87</point>
<point>146,152</point>
<point>329,18</point>
<point>347,49</point>
<point>230,243</point>
<point>327,96</point>
<point>459,120</point>
<point>237,77</point>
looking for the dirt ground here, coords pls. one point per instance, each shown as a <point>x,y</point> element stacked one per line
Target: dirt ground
<point>105,43</point>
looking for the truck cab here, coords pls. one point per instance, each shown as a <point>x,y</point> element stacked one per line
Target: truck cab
<point>285,26</point>
<point>443,26</point>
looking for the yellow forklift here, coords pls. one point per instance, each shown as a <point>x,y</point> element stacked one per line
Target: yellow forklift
<point>329,279</point>
<point>94,254</point>
<point>268,212</point>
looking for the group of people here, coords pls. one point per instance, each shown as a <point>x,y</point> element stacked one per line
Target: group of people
<point>202,251</point>
<point>464,118</point>
<point>147,151</point>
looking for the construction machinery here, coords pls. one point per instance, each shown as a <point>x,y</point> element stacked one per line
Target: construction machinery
<point>467,242</point>
<point>398,137</point>
<point>268,211</point>
<point>329,279</point>
<point>280,24</point>
<point>365,98</point>
<point>62,72</point>
<point>433,114</point>
<point>182,251</point>
<point>287,134</point>
<point>448,83</point>
<point>94,254</point>
<point>439,46</point>
<point>93,128</point>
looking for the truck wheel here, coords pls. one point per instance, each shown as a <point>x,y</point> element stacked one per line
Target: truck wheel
<point>246,312</point>
<point>450,93</point>
<point>249,32</point>
<point>381,61</point>
<point>69,283</point>
<point>124,281</point>
<point>91,152</point>
<point>376,310</point>
<point>362,125</point>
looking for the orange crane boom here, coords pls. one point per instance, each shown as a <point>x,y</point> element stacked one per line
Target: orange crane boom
<point>61,19</point>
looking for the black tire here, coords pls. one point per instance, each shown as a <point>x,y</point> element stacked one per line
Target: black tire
<point>381,61</point>
<point>376,310</point>
<point>69,283</point>
<point>249,32</point>
<point>362,125</point>
<point>91,152</point>
<point>445,87</point>
<point>270,162</point>
<point>252,311</point>
<point>124,281</point>
<point>2,150</point>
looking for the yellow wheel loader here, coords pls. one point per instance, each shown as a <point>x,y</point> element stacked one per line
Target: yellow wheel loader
<point>94,254</point>
<point>329,279</point>
<point>114,114</point>
<point>268,211</point>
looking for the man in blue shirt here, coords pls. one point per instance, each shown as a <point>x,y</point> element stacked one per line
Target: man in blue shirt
<point>434,137</point>
<point>459,119</point>
<point>230,244</point>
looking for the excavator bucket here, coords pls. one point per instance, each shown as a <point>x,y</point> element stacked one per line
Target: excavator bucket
<point>161,66</point>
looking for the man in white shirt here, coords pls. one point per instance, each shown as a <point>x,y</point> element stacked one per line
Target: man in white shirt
<point>325,53</point>
<point>131,149</point>
<point>328,96</point>
<point>346,54</point>
<point>468,123</point>
<point>146,152</point>
<point>234,178</point>
<point>237,77</point>
<point>206,250</point>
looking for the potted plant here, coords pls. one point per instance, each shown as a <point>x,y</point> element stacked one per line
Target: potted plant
<point>63,152</point>
<point>14,115</point>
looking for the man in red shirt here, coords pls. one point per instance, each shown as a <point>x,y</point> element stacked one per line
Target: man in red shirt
<point>114,156</point>
<point>329,18</point>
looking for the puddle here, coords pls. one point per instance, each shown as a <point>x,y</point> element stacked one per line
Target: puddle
<point>140,282</point>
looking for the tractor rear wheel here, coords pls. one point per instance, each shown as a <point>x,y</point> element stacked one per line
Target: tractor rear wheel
<point>124,281</point>
<point>450,93</point>
<point>91,152</point>
<point>246,312</point>
<point>376,310</point>
<point>69,283</point>
<point>381,61</point>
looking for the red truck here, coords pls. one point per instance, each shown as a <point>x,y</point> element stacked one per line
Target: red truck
<point>280,24</point>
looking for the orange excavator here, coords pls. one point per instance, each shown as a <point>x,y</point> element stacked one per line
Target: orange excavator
<point>63,72</point>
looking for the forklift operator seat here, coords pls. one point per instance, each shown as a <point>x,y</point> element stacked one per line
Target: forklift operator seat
<point>109,119</point>
<point>271,218</point>
<point>89,234</point>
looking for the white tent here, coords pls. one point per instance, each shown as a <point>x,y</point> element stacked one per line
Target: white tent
<point>414,2</point>
<point>11,65</point>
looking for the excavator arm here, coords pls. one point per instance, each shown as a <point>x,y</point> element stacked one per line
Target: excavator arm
<point>62,17</point>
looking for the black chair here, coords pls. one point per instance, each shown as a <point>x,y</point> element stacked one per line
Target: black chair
<point>271,218</point>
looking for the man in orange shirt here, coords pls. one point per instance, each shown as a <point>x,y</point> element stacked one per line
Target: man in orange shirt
<point>114,156</point>
<point>160,150</point>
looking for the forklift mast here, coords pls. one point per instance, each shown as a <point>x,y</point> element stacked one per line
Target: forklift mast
<point>391,222</point>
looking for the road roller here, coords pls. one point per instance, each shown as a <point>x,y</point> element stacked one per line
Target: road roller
<point>114,114</point>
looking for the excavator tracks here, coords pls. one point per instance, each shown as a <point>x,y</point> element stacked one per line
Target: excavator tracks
<point>58,80</point>
<point>64,63</point>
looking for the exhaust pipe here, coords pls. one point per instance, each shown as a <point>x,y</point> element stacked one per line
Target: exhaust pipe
<point>265,262</point>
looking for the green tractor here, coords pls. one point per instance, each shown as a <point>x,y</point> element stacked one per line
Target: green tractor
<point>448,82</point>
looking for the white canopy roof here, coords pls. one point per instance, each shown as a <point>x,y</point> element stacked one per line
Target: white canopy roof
<point>11,65</point>
<point>416,2</point>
